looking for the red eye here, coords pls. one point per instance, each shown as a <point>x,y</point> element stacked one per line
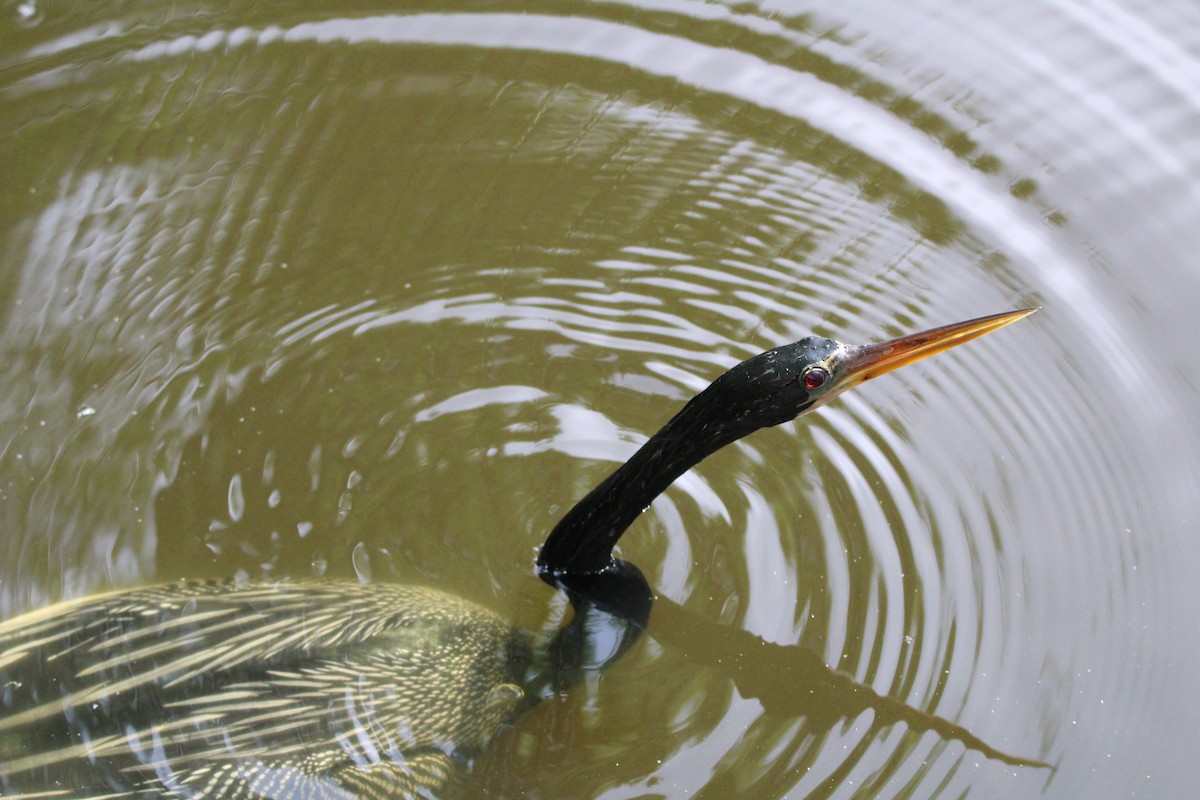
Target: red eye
<point>815,378</point>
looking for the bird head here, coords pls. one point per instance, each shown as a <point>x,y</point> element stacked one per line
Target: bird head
<point>786,381</point>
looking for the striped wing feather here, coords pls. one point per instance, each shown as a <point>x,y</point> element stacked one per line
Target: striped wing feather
<point>200,688</point>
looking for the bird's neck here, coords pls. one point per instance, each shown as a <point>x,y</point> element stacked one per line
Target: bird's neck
<point>583,540</point>
<point>611,609</point>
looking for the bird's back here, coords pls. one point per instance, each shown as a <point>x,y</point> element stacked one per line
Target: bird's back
<point>213,689</point>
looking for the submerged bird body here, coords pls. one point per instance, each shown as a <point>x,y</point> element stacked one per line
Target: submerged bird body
<point>337,690</point>
<point>210,689</point>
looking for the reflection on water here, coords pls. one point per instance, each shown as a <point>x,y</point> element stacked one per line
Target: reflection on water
<point>290,292</point>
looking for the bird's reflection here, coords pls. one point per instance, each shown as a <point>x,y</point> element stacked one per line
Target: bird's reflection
<point>614,609</point>
<point>793,680</point>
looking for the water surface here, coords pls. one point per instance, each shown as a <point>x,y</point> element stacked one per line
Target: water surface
<point>379,292</point>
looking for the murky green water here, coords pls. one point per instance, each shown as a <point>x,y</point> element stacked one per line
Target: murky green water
<point>355,290</point>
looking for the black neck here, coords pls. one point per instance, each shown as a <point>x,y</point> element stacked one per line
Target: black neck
<point>737,403</point>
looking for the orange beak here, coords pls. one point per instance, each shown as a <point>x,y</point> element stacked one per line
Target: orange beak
<point>870,361</point>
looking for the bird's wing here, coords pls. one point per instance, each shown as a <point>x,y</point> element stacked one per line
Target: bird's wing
<point>97,650</point>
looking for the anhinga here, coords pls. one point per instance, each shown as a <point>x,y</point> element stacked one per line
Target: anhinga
<point>334,689</point>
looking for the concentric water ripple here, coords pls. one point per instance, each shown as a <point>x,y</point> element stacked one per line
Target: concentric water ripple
<point>295,292</point>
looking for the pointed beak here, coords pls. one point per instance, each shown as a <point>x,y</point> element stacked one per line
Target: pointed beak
<point>870,361</point>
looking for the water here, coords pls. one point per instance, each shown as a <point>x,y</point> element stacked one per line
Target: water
<point>377,294</point>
